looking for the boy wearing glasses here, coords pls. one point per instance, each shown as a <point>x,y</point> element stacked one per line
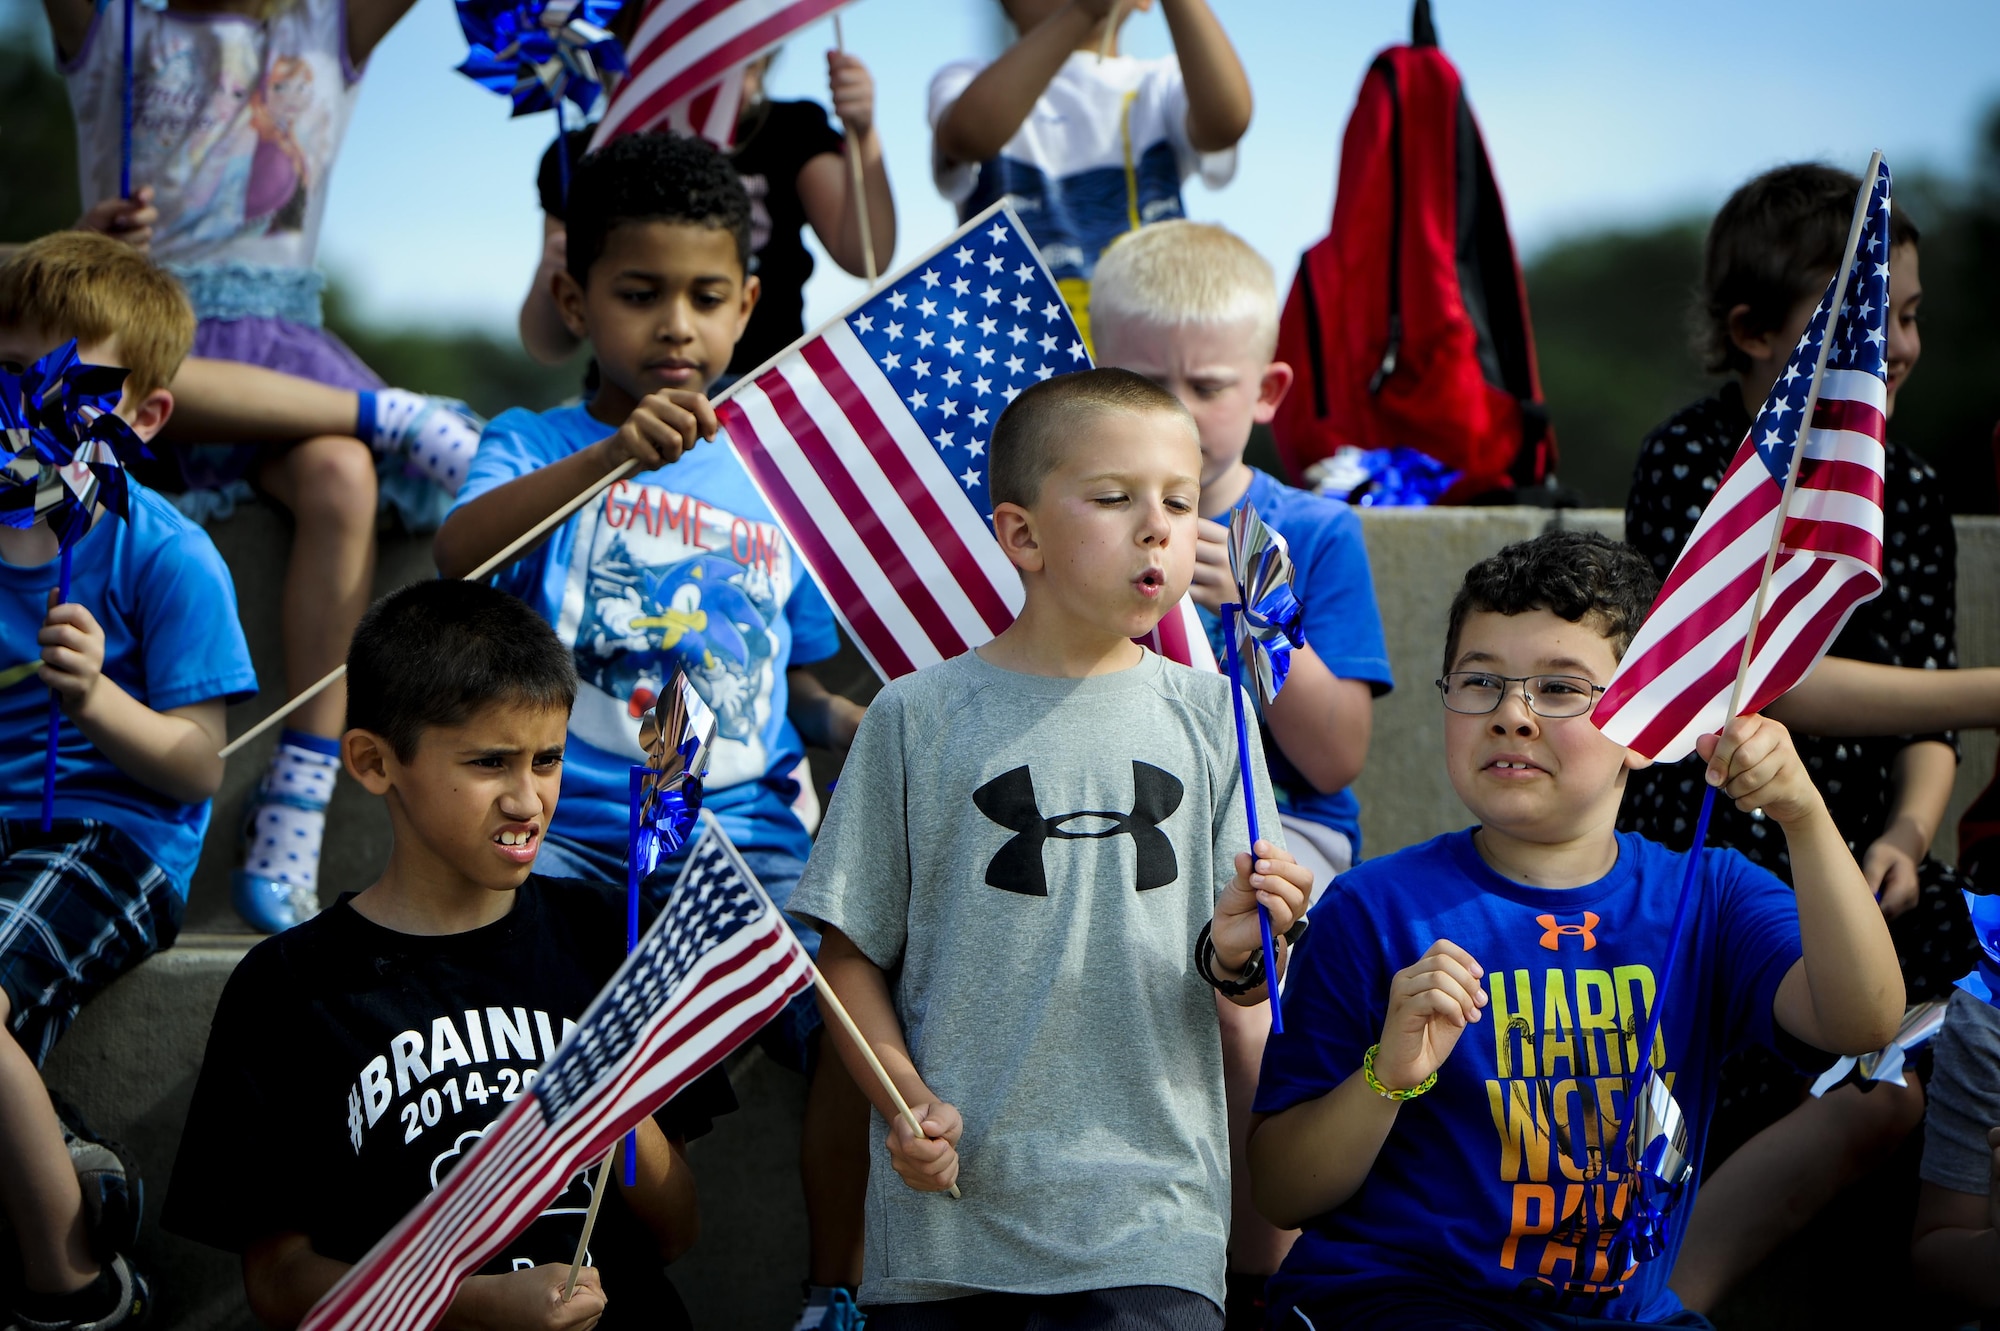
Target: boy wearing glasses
<point>1490,1201</point>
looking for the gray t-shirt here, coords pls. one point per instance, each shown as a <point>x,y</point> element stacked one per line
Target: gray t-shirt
<point>1029,860</point>
<point>1963,1096</point>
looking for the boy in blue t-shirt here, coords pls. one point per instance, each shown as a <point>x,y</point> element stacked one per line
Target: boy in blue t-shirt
<point>678,566</point>
<point>145,657</point>
<point>1463,1182</point>
<point>1195,309</point>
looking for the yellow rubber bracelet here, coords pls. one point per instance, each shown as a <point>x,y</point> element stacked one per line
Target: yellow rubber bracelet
<point>1375,1082</point>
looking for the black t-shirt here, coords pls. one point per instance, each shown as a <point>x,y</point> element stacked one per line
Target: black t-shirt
<point>774,141</point>
<point>350,1067</point>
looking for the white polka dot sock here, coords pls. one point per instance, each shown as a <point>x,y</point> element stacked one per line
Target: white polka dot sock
<point>284,831</point>
<point>435,436</point>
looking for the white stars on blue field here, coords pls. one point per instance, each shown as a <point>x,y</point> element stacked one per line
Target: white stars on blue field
<point>961,335</point>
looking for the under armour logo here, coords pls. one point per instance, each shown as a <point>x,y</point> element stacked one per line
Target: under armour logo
<point>1009,800</point>
<point>1553,933</point>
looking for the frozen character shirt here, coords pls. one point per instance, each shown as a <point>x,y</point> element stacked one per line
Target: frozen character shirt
<point>235,124</point>
<point>350,1068</point>
<point>683,568</point>
<point>1493,1186</point>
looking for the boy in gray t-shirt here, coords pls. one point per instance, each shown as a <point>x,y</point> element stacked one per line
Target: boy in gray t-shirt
<point>1030,861</point>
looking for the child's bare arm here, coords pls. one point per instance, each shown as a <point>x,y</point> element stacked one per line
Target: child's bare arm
<point>1955,1247</point>
<point>1218,91</point>
<point>1322,723</point>
<point>1845,995</point>
<point>1310,1158</point>
<point>1922,778</point>
<point>283,1278</point>
<point>826,184</point>
<point>544,335</point>
<point>995,103</point>
<point>173,752</point>
<point>822,716</point>
<point>658,431</point>
<point>229,402</point>
<point>1843,697</point>
<point>928,1163</point>
<point>663,1197</point>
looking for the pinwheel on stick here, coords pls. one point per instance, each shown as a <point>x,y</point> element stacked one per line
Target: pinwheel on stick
<point>541,54</point>
<point>1259,630</point>
<point>66,450</point>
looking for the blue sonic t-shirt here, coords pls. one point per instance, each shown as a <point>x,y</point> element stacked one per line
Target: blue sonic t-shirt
<point>1343,627</point>
<point>1487,1183</point>
<point>159,589</point>
<point>681,567</point>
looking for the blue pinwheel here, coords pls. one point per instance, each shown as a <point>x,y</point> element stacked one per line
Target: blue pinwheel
<point>66,450</point>
<point>1260,627</point>
<point>541,54</point>
<point>1660,1170</point>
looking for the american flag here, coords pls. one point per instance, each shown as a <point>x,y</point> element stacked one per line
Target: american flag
<point>684,66</point>
<point>1675,681</point>
<point>717,964</point>
<point>868,440</point>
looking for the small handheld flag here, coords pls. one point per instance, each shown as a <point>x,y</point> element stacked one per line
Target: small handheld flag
<point>66,453</point>
<point>1789,545</point>
<point>1260,627</point>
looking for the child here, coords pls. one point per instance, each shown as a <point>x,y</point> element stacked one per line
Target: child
<point>1891,674</point>
<point>145,656</point>
<point>794,168</point>
<point>683,568</point>
<point>359,1055</point>
<point>1539,935</point>
<point>1088,143</point>
<point>1195,310</point>
<point>238,108</point>
<point>1045,1020</point>
<point>1956,1250</point>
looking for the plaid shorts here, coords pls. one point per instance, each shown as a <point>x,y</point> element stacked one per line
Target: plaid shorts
<point>80,905</point>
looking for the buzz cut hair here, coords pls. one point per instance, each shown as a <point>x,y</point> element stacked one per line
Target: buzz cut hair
<point>102,292</point>
<point>1180,272</point>
<point>436,652</point>
<point>1030,437</point>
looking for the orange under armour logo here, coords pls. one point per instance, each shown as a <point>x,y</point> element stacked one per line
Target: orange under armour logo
<point>1552,932</point>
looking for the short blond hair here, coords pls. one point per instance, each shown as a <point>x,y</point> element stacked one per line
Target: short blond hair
<point>87,286</point>
<point>1180,272</point>
<point>1028,438</point>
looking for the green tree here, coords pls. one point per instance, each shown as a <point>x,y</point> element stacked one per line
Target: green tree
<point>38,191</point>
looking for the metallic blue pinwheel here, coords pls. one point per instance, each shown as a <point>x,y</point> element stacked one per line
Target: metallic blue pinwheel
<point>1261,627</point>
<point>541,52</point>
<point>67,448</point>
<point>1660,1171</point>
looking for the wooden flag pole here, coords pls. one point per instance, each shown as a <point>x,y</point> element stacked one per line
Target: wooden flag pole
<point>855,181</point>
<point>1854,226</point>
<point>839,1010</point>
<point>590,1219</point>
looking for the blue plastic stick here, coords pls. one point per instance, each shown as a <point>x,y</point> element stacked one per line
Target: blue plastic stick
<point>1229,613</point>
<point>55,723</point>
<point>637,777</point>
<point>125,133</point>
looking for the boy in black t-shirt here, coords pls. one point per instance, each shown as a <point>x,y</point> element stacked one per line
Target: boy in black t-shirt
<point>355,1058</point>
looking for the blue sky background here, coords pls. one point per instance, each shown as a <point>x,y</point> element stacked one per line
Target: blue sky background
<point>1595,114</point>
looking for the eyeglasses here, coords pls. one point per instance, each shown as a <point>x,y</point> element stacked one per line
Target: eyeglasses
<point>1475,693</point>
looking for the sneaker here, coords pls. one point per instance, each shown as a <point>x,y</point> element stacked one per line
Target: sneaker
<point>133,1310</point>
<point>829,1308</point>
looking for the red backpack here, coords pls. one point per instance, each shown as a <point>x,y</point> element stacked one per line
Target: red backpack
<point>1408,324</point>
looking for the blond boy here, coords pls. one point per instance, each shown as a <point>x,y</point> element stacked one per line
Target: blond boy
<point>144,657</point>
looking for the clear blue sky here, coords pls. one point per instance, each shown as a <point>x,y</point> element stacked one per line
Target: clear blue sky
<point>1595,114</point>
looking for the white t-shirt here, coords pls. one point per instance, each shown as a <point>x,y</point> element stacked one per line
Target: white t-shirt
<point>235,125</point>
<point>1104,152</point>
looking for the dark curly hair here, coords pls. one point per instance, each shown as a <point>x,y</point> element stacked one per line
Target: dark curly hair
<point>655,177</point>
<point>435,652</point>
<point>1776,242</point>
<point>1575,575</point>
